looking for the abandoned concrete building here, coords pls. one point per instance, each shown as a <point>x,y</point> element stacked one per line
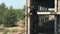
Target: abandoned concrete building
<point>42,17</point>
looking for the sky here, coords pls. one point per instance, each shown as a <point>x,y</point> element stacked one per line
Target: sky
<point>17,4</point>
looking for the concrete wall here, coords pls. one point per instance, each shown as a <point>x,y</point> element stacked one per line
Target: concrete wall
<point>59,5</point>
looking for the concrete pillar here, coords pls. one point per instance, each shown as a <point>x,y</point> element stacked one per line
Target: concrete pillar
<point>56,4</point>
<point>28,17</point>
<point>55,23</point>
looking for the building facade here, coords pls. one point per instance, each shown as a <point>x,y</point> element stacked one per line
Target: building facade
<point>45,10</point>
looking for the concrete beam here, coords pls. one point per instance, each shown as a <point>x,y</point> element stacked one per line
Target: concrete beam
<point>45,13</point>
<point>58,13</point>
<point>48,13</point>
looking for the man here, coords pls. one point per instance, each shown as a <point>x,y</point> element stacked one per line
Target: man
<point>34,20</point>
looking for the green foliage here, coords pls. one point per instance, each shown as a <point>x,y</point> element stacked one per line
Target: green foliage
<point>9,17</point>
<point>21,14</point>
<point>2,10</point>
<point>5,32</point>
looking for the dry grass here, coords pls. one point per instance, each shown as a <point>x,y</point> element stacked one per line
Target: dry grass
<point>13,30</point>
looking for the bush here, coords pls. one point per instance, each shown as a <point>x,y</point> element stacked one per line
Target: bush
<point>10,18</point>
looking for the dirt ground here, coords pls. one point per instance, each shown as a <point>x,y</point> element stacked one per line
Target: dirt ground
<point>20,29</point>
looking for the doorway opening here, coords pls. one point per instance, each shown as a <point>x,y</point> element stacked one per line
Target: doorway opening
<point>41,23</point>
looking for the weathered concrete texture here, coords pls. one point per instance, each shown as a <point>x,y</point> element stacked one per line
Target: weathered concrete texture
<point>59,5</point>
<point>56,9</point>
